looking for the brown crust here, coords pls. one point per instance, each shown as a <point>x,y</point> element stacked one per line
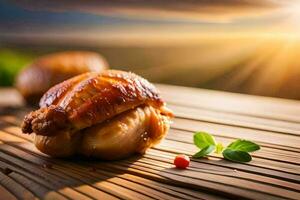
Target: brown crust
<point>45,121</point>
<point>57,92</point>
<point>92,98</point>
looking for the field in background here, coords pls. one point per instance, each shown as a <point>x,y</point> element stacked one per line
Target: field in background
<point>264,66</point>
<point>11,61</point>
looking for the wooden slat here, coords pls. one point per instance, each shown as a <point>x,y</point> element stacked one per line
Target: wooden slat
<point>238,132</point>
<point>5,194</point>
<point>8,138</point>
<point>236,120</point>
<point>261,107</point>
<point>274,172</point>
<point>15,188</point>
<point>27,156</point>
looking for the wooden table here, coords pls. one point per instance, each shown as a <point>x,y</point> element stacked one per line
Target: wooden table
<point>274,172</point>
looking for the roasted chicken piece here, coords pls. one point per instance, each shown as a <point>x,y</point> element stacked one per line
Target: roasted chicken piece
<point>43,73</point>
<point>109,115</point>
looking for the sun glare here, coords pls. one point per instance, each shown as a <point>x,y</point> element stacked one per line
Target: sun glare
<point>294,18</point>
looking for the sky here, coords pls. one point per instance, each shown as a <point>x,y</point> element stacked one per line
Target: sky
<point>255,43</point>
<point>128,20</point>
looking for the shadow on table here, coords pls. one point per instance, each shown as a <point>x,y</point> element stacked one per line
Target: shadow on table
<point>44,175</point>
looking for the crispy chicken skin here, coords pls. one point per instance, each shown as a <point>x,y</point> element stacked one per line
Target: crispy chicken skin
<point>36,78</point>
<point>108,115</point>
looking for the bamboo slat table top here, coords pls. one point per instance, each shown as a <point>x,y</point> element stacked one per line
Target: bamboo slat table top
<point>274,172</point>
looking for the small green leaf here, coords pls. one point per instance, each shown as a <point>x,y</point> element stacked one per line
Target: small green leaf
<point>219,148</point>
<point>202,139</point>
<point>236,155</point>
<point>205,151</point>
<point>243,145</point>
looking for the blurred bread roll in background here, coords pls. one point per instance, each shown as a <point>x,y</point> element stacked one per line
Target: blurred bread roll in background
<point>36,78</point>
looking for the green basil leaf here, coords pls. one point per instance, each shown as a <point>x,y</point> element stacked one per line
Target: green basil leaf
<point>202,139</point>
<point>243,145</point>
<point>236,155</point>
<point>219,148</point>
<point>205,151</point>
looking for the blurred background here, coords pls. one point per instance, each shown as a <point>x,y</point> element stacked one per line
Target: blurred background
<point>244,46</point>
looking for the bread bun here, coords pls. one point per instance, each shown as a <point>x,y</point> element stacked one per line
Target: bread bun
<point>35,79</point>
<point>108,115</point>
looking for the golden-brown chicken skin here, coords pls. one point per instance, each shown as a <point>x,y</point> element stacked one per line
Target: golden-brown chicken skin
<point>108,115</point>
<point>36,78</point>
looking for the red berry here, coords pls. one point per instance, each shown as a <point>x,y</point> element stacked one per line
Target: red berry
<point>182,161</point>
